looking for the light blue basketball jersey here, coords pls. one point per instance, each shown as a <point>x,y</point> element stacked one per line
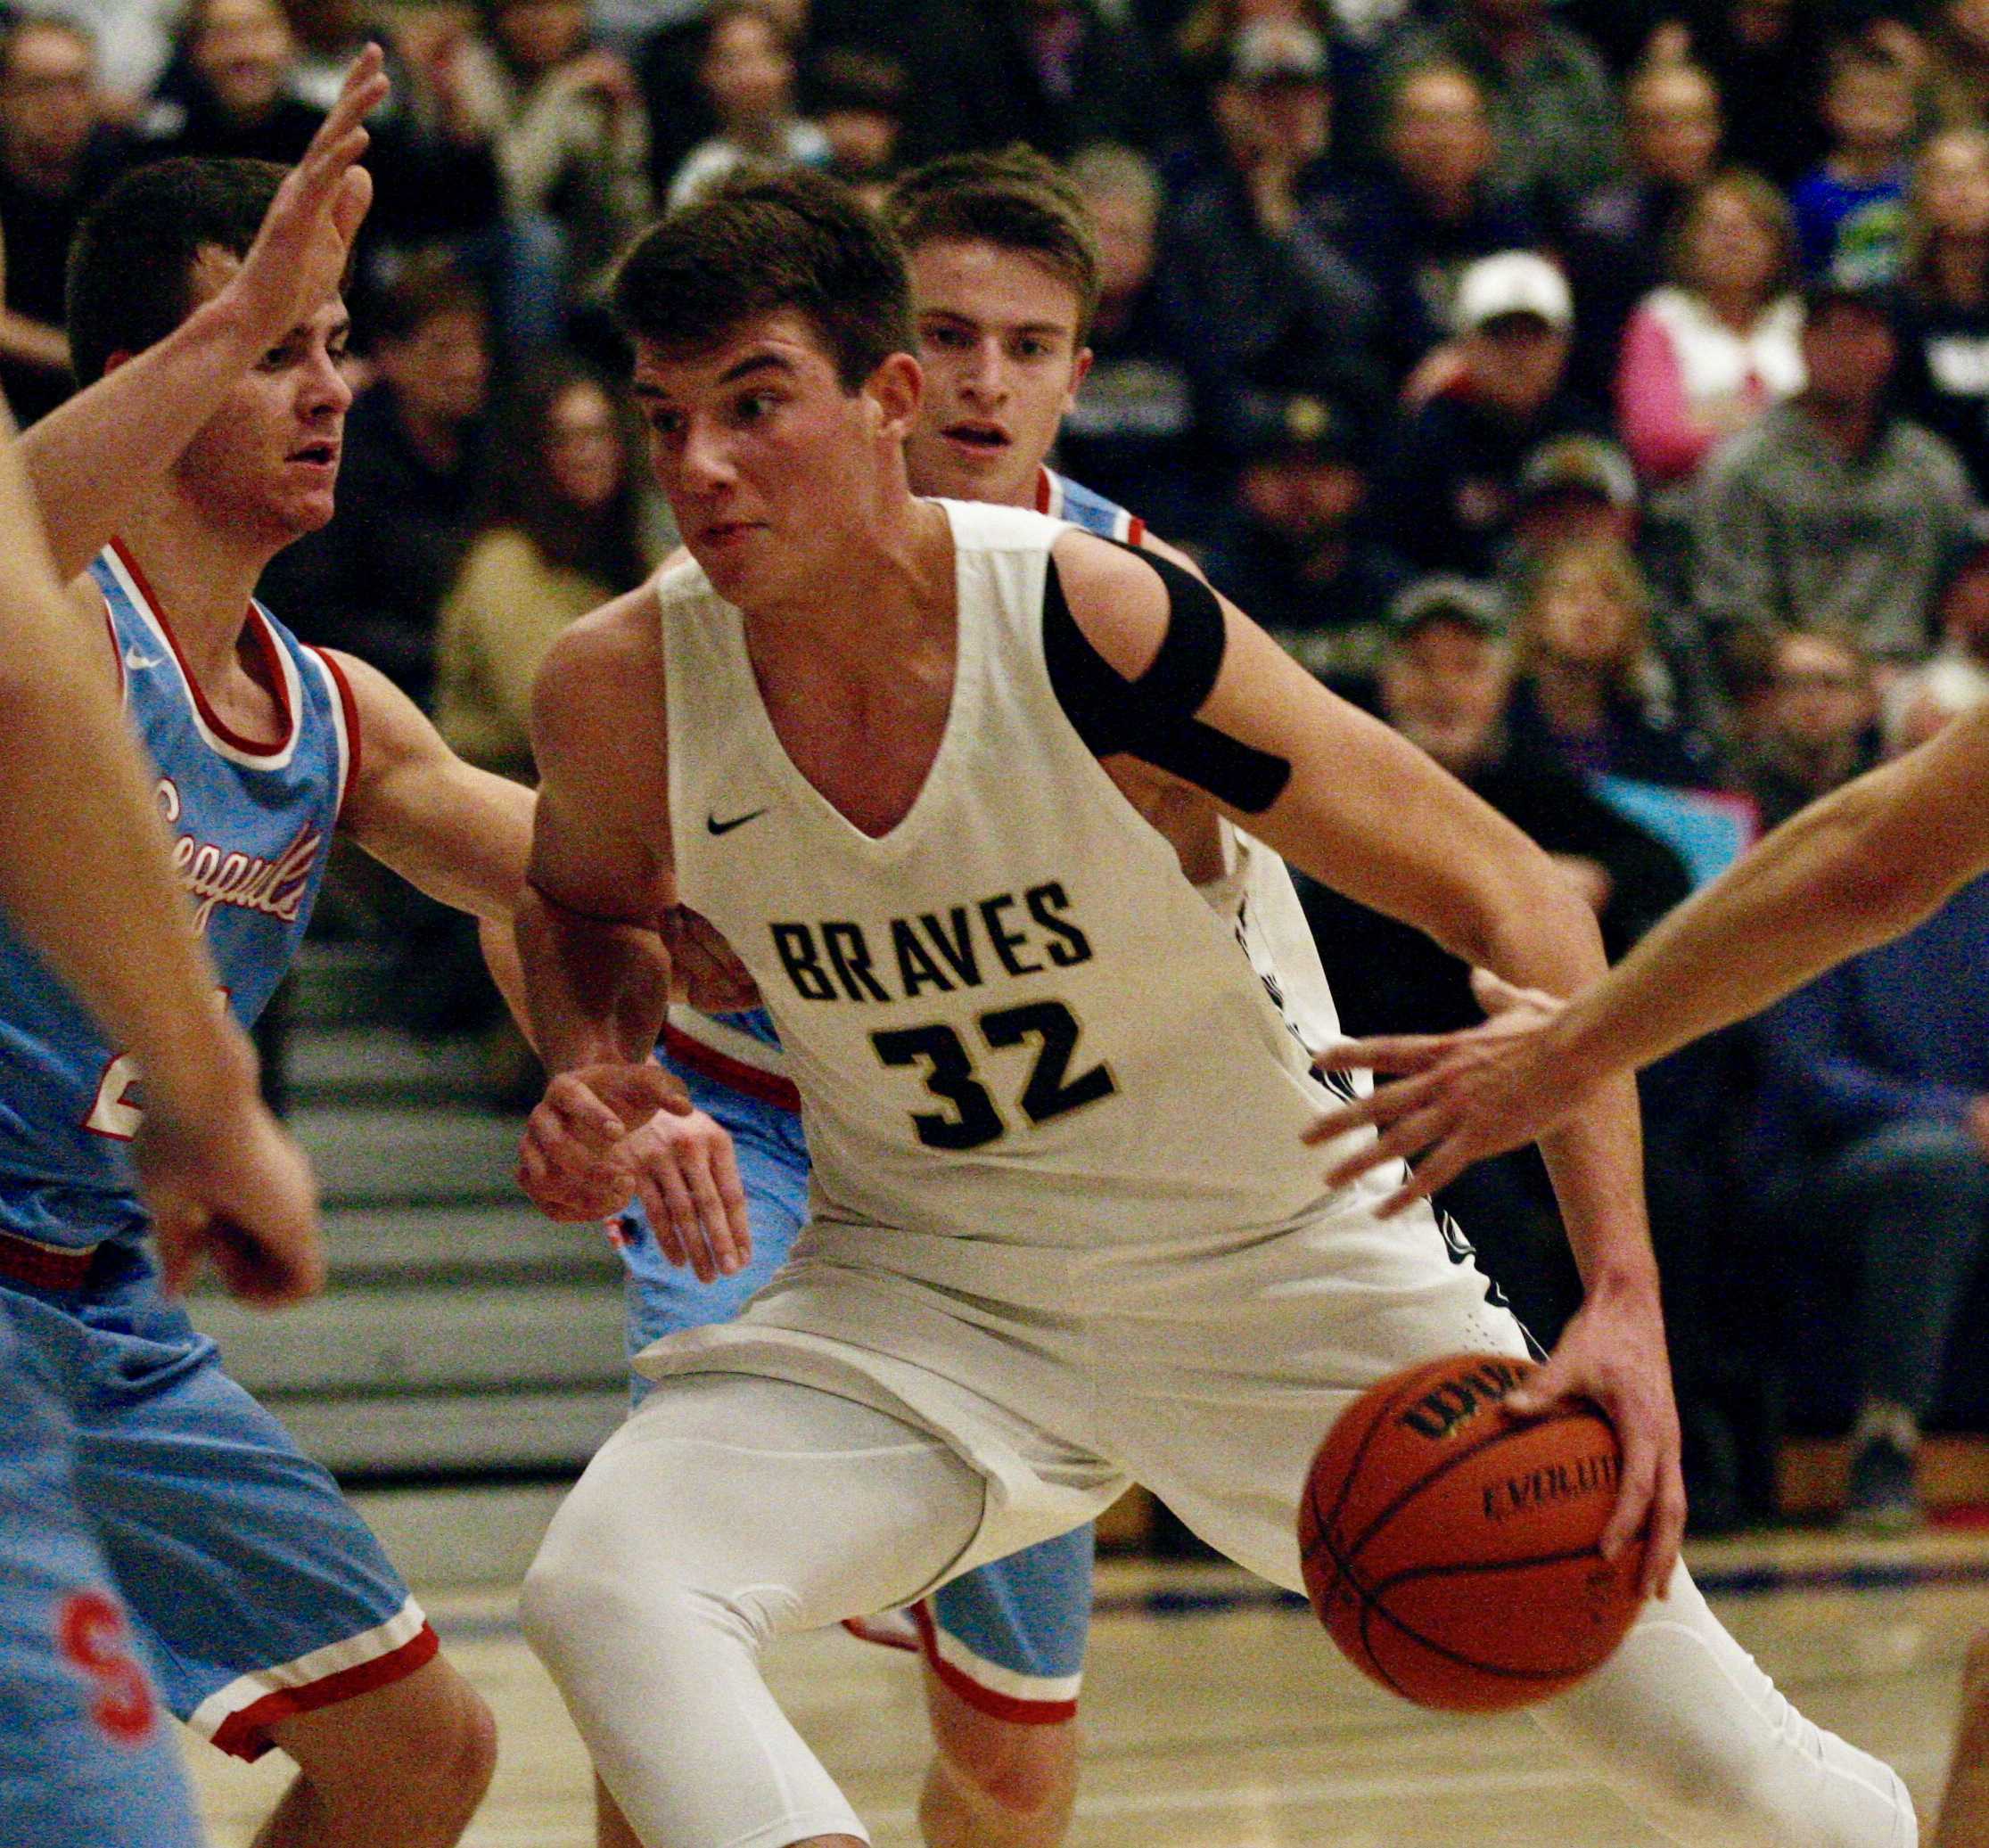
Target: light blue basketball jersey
<point>1061,499</point>
<point>250,824</point>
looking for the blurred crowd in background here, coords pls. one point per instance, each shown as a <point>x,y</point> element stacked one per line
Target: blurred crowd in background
<point>1598,391</point>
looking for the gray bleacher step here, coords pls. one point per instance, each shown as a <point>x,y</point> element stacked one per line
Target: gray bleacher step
<point>462,1536</point>
<point>357,1064</point>
<point>370,1155</point>
<point>339,984</point>
<point>542,1432</point>
<point>384,1246</point>
<point>460,1338</point>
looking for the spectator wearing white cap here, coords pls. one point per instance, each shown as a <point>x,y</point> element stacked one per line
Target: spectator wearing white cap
<point>1449,491</point>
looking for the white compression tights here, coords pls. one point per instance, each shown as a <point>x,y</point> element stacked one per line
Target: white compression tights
<point>734,1508</point>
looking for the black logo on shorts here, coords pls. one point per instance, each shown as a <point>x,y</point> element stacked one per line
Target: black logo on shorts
<point>738,821</point>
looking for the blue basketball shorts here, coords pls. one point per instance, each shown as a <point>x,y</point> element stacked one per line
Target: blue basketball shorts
<point>255,1592</point>
<point>86,1758</point>
<point>1009,1637</point>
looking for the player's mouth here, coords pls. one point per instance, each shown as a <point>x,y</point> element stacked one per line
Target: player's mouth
<point>724,534</point>
<point>322,453</point>
<point>975,438</point>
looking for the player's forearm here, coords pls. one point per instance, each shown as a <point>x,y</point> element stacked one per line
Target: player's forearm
<point>1851,871</point>
<point>596,992</point>
<point>95,458</point>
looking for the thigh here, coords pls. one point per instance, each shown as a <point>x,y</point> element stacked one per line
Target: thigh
<point>1222,1421</point>
<point>257,1591</point>
<point>87,1759</point>
<point>789,1506</point>
<point>663,1298</point>
<point>1009,1637</point>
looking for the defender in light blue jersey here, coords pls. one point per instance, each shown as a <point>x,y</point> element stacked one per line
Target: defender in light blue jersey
<point>266,1612</point>
<point>1004,271</point>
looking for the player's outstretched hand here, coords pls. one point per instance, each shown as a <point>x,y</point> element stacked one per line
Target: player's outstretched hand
<point>687,1180</point>
<point>230,1187</point>
<point>300,253</point>
<point>571,1163</point>
<point>1460,1097</point>
<point>1613,1351</point>
<point>705,969</point>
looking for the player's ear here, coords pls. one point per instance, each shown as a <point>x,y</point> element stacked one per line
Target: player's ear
<point>1080,370</point>
<point>895,390</point>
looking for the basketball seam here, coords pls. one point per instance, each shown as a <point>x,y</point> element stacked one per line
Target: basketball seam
<point>1373,1604</point>
<point>1328,1522</point>
<point>1408,1493</point>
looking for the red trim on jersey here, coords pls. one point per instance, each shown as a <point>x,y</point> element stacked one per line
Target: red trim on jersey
<point>44,1266</point>
<point>1136,529</point>
<point>985,1700</point>
<point>1043,493</point>
<point>708,1062</point>
<point>351,708</point>
<point>246,1734</point>
<point>275,682</point>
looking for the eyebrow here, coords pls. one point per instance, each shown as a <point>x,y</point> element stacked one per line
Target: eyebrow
<point>955,315</point>
<point>755,362</point>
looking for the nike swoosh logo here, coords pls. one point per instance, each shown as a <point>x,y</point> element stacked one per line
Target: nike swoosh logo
<point>738,821</point>
<point>139,662</point>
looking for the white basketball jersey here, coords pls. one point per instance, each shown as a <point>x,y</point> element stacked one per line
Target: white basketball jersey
<point>1012,1019</point>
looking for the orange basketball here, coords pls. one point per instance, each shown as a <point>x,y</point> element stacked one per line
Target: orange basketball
<point>1450,1546</point>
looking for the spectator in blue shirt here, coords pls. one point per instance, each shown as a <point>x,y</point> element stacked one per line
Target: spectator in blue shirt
<point>1873,1130</point>
<point>1850,210</point>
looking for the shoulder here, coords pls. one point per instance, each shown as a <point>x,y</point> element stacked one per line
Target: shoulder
<point>619,637</point>
<point>598,676</point>
<point>1117,599</point>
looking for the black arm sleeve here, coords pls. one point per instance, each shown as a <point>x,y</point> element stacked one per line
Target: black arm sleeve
<point>1152,717</point>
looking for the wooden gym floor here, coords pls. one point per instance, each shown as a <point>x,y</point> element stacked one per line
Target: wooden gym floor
<point>1216,1714</point>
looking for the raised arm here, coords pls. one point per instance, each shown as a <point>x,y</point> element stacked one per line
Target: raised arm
<point>94,458</point>
<point>1851,871</point>
<point>84,875</point>
<point>589,928</point>
<point>1361,809</point>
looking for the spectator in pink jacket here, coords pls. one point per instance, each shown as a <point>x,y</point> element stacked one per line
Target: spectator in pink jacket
<point>1704,356</point>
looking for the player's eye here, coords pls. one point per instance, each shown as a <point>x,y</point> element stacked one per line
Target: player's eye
<point>951,339</point>
<point>753,406</point>
<point>1033,348</point>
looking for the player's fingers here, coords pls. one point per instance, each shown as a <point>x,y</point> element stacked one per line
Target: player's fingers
<point>656,1209</point>
<point>1634,1488</point>
<point>683,1213</point>
<point>1400,1055</point>
<point>581,1114</point>
<point>349,208</point>
<point>1548,1385</point>
<point>1398,1141</point>
<point>177,1225</point>
<point>1346,1118</point>
<point>1498,996</point>
<point>732,1193</point>
<point>1667,1530</point>
<point>1435,1169</point>
<point>713,1225</point>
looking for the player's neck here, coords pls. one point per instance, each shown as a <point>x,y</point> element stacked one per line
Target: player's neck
<point>202,578</point>
<point>897,583</point>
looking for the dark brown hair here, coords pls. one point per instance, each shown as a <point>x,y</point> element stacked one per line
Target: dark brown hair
<point>757,244</point>
<point>1016,201</point>
<point>131,267</point>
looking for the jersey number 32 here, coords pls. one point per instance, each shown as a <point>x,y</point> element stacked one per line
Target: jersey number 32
<point>973,1120</point>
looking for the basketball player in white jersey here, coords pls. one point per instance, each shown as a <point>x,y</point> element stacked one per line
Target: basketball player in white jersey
<point>1004,273</point>
<point>1859,867</point>
<point>1052,1057</point>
